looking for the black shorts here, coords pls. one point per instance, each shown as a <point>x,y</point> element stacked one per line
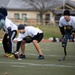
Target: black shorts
<point>37,37</point>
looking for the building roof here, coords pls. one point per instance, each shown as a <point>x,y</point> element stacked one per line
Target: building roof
<point>22,5</point>
<point>59,12</point>
<point>18,4</point>
<point>4,3</point>
<point>61,3</point>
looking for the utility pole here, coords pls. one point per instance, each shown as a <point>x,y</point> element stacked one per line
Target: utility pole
<point>64,5</point>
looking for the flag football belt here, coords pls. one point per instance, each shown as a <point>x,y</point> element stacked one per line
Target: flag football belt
<point>68,28</point>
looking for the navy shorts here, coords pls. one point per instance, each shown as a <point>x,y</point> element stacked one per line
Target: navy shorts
<point>37,37</point>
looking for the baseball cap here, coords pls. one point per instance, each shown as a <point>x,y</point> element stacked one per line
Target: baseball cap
<point>66,12</point>
<point>21,26</point>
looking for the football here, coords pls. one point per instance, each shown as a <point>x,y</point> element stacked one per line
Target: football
<point>16,55</point>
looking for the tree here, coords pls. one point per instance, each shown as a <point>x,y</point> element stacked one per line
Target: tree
<point>41,6</point>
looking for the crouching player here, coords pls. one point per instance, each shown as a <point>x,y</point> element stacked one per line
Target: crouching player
<point>67,27</point>
<point>28,34</point>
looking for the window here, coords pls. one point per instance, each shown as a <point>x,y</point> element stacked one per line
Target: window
<point>24,17</point>
<point>47,18</point>
<point>16,16</point>
<point>38,18</point>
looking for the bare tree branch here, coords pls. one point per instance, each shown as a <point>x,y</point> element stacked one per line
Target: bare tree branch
<point>41,6</point>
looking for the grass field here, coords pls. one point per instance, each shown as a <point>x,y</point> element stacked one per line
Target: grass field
<point>50,31</point>
<point>32,66</point>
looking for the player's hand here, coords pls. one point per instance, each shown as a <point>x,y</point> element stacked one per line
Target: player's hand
<point>15,40</point>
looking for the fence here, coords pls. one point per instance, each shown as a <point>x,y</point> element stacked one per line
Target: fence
<point>33,22</point>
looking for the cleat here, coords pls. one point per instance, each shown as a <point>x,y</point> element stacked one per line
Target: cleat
<point>11,56</point>
<point>61,59</point>
<point>7,55</point>
<point>22,56</point>
<point>41,57</point>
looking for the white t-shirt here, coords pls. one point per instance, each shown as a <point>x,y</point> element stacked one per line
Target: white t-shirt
<point>29,31</point>
<point>63,22</point>
<point>9,23</point>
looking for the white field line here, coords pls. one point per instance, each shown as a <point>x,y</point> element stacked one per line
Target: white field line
<point>17,64</point>
<point>48,55</point>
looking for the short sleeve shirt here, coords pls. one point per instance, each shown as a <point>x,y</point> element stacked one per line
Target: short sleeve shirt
<point>29,31</point>
<point>9,23</point>
<point>63,22</point>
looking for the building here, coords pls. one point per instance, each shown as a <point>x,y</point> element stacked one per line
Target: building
<point>21,12</point>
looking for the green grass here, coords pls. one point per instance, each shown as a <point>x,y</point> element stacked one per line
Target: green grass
<point>49,31</point>
<point>32,66</point>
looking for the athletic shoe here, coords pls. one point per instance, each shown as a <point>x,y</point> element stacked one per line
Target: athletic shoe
<point>11,56</point>
<point>41,57</point>
<point>22,56</point>
<point>7,55</point>
<point>61,59</point>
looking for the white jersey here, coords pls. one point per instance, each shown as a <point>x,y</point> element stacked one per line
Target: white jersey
<point>29,31</point>
<point>63,22</point>
<point>9,23</point>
